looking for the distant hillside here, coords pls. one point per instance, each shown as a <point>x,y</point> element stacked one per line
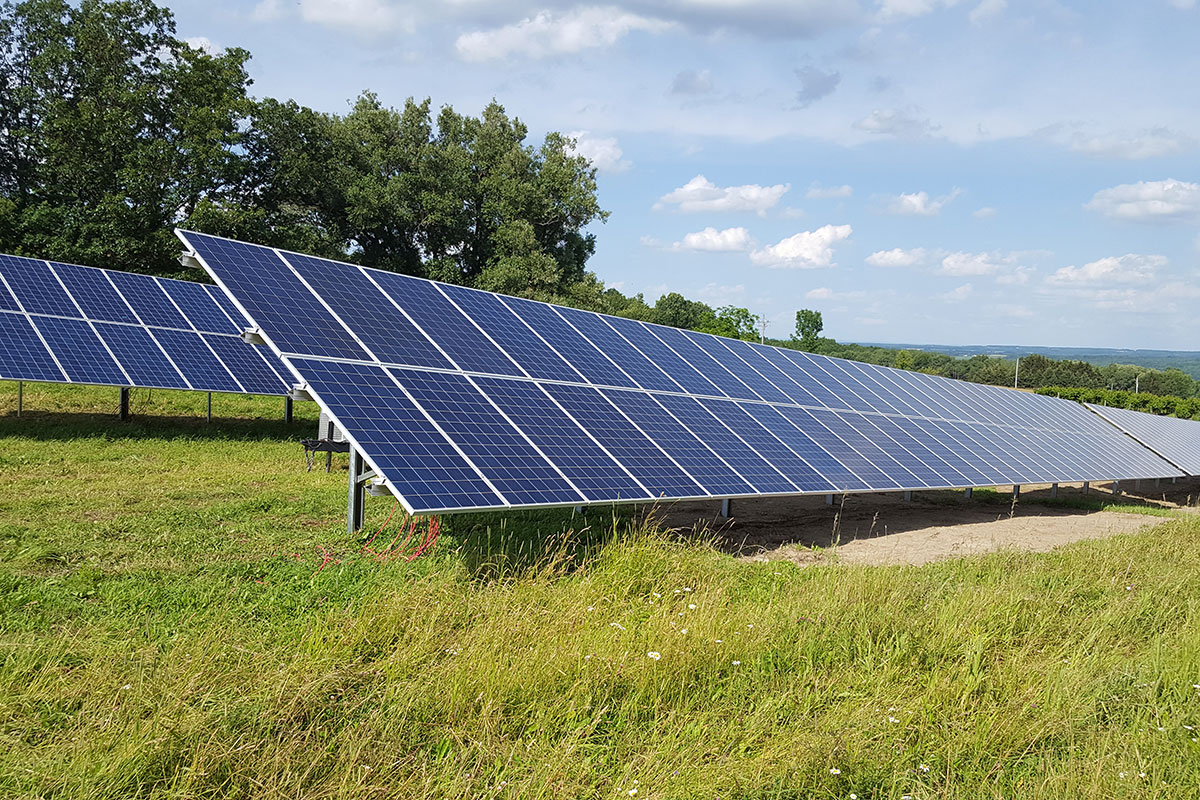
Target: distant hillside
<point>1186,360</point>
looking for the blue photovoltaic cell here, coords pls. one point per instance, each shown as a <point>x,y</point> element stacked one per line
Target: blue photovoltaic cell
<point>36,287</point>
<point>806,376</point>
<point>198,306</point>
<point>953,468</point>
<point>276,300</point>
<point>22,354</point>
<point>518,340</point>
<point>231,311</point>
<point>562,441</point>
<point>887,448</point>
<point>148,300</point>
<point>466,345</point>
<point>94,294</point>
<point>664,357</point>
<point>591,363</point>
<point>141,356</point>
<point>521,474</point>
<point>419,464</point>
<point>833,383</point>
<point>852,448</point>
<point>689,452</point>
<point>769,445</point>
<point>827,462</point>
<point>627,357</point>
<point>702,361</point>
<point>381,326</point>
<point>726,355</point>
<point>196,361</point>
<point>244,361</point>
<point>80,351</point>
<point>7,301</point>
<point>759,357</point>
<point>644,460</point>
<point>738,454</point>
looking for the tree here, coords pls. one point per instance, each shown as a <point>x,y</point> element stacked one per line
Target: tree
<point>734,322</point>
<point>677,311</point>
<point>114,131</point>
<point>808,329</point>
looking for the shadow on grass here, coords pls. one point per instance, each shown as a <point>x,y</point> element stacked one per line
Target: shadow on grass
<point>53,425</point>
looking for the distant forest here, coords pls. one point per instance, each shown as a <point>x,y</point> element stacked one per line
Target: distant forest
<point>116,132</point>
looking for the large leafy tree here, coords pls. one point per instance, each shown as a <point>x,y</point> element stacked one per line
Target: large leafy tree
<point>113,131</point>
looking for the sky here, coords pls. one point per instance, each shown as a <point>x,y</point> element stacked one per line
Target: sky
<point>955,172</point>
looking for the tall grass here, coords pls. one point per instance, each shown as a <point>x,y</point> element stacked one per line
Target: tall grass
<point>165,632</point>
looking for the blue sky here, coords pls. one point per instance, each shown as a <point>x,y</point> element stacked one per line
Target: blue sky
<point>931,171</point>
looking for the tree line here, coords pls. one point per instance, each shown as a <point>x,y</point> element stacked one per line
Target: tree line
<point>114,131</point>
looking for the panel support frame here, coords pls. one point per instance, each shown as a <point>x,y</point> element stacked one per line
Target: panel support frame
<point>357,496</point>
<point>123,414</point>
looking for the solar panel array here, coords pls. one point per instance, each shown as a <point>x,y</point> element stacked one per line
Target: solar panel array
<point>1176,440</point>
<point>463,399</point>
<point>72,324</point>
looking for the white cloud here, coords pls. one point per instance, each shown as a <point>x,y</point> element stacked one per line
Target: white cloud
<point>692,82</point>
<point>711,240</point>
<point>701,194</point>
<point>1129,268</point>
<point>984,213</point>
<point>720,294</point>
<point>604,153</point>
<point>550,34</point>
<point>822,293</point>
<point>890,10</point>
<point>1148,201</point>
<point>957,295</point>
<point>204,44</point>
<point>372,17</point>
<point>960,264</point>
<point>897,257</point>
<point>805,250</point>
<point>1018,277</point>
<point>1149,143</point>
<point>901,123</point>
<point>918,204</point>
<point>986,11</point>
<point>825,192</point>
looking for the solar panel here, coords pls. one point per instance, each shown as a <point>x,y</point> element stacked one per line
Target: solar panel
<point>1177,440</point>
<point>461,399</point>
<point>70,324</point>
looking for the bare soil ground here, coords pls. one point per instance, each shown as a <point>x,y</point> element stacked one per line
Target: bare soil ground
<point>884,528</point>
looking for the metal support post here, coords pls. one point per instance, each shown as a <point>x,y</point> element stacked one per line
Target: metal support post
<point>357,500</point>
<point>1137,484</point>
<point>578,510</point>
<point>210,406</point>
<point>1157,483</point>
<point>725,505</point>
<point>1116,487</point>
<point>1174,479</point>
<point>908,497</point>
<point>968,492</point>
<point>20,396</point>
<point>1086,486</point>
<point>1016,490</point>
<point>828,499</point>
<point>287,410</point>
<point>1054,490</point>
<point>329,453</point>
<point>124,404</point>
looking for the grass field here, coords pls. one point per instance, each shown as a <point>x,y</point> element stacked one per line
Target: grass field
<point>182,614</point>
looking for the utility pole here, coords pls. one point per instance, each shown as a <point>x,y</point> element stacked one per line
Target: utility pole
<point>1017,373</point>
<point>1137,382</point>
<point>762,338</point>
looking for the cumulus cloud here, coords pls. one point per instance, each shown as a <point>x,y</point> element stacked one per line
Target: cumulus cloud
<point>1148,201</point>
<point>551,34</point>
<point>984,213</point>
<point>711,240</point>
<point>957,295</point>
<point>1149,143</point>
<point>825,192</point>
<point>823,293</point>
<point>805,250</point>
<point>959,264</point>
<point>701,194</point>
<point>360,16</point>
<point>692,82</point>
<point>891,10</point>
<point>900,123</point>
<point>897,257</point>
<point>603,152</point>
<point>986,11</point>
<point>815,84</point>
<point>918,204</point>
<point>1129,268</point>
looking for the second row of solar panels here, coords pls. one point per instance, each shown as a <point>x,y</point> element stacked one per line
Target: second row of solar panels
<point>67,323</point>
<point>452,442</point>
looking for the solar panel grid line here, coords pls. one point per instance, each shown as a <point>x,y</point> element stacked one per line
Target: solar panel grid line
<point>1171,438</point>
<point>871,375</point>
<point>831,433</point>
<point>29,320</point>
<point>633,362</point>
<point>909,458</point>
<point>149,331</point>
<point>953,431</point>
<point>195,330</point>
<point>714,433</point>
<point>863,399</point>
<point>783,458</point>
<point>766,365</point>
<point>716,372</point>
<point>757,366</point>
<point>587,338</point>
<point>925,450</point>
<point>697,454</point>
<point>486,334</point>
<point>808,374</point>
<point>924,402</point>
<point>724,355</point>
<point>840,475</point>
<point>870,444</point>
<point>640,335</point>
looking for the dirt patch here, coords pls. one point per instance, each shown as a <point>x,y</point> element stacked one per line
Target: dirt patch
<point>934,525</point>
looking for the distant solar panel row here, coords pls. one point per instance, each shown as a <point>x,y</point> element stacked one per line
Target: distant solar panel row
<point>66,323</point>
<point>1177,440</point>
<point>464,399</point>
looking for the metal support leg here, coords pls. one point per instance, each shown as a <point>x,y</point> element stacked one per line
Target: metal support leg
<point>828,499</point>
<point>287,410</point>
<point>357,499</point>
<point>1157,483</point>
<point>1137,484</point>
<point>968,492</point>
<point>329,453</point>
<point>124,404</point>
<point>1086,486</point>
<point>725,506</point>
<point>1054,490</point>
<point>1016,490</point>
<point>20,396</point>
<point>1116,487</point>
<point>210,406</point>
<point>908,497</point>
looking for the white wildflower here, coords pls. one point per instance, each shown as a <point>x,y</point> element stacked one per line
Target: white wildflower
<point>654,655</point>
<point>834,771</point>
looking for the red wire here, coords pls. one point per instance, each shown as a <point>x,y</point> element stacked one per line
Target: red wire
<point>367,547</point>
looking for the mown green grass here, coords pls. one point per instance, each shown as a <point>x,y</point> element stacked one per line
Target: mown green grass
<point>165,633</point>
